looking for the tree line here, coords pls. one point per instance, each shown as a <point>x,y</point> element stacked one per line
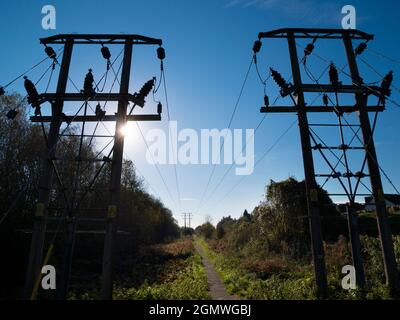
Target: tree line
<point>280,224</point>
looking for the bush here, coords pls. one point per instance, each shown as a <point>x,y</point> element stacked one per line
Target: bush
<point>206,230</point>
<point>265,268</point>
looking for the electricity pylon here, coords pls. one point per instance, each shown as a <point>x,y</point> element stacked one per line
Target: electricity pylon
<point>310,143</point>
<point>56,119</point>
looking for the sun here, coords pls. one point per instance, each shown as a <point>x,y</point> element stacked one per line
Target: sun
<point>125,130</point>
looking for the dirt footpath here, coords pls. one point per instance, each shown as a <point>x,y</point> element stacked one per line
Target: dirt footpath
<point>217,288</point>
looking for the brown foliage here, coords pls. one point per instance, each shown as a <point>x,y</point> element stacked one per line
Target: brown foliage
<point>337,254</point>
<point>265,268</point>
<point>178,248</point>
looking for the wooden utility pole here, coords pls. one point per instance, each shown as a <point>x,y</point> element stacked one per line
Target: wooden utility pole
<point>184,219</point>
<point>46,180</point>
<point>385,233</point>
<point>190,215</point>
<point>309,172</point>
<point>116,169</point>
<point>355,243</point>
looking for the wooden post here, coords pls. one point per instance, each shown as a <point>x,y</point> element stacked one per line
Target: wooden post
<point>46,180</point>
<point>385,233</point>
<point>309,173</point>
<point>116,169</point>
<point>355,243</point>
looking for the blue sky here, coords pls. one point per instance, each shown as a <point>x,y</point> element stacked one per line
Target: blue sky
<point>208,46</point>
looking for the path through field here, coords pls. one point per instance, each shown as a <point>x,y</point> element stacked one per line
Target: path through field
<point>217,288</point>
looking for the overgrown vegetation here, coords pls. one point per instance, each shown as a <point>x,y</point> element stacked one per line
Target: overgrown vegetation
<point>267,255</point>
<point>168,271</point>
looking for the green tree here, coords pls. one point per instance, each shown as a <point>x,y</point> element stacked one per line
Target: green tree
<point>206,230</point>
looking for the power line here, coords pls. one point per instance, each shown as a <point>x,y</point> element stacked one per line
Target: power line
<point>257,163</point>
<point>27,71</point>
<point>255,131</point>
<point>144,140</point>
<point>355,82</point>
<point>14,203</point>
<point>371,89</point>
<point>126,155</point>
<point>155,163</point>
<point>175,153</point>
<point>312,77</point>
<point>23,190</point>
<point>376,72</point>
<point>383,56</point>
<point>213,192</point>
<point>229,125</point>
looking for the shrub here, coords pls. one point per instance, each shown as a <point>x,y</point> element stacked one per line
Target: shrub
<point>206,230</point>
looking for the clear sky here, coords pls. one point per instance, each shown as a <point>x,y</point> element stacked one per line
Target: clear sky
<point>208,46</point>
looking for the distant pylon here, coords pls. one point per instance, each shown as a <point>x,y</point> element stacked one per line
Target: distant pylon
<point>187,217</point>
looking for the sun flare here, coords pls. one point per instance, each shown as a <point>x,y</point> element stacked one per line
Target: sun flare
<point>125,130</point>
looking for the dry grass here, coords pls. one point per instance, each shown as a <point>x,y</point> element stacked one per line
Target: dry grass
<point>337,254</point>
<point>183,247</point>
